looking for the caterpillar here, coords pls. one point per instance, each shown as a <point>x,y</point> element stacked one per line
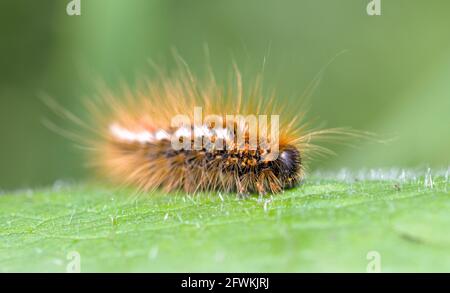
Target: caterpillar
<point>135,142</point>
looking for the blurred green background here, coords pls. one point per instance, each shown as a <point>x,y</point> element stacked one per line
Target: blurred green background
<point>393,78</point>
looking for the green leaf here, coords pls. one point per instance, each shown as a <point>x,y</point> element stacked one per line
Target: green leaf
<point>323,225</point>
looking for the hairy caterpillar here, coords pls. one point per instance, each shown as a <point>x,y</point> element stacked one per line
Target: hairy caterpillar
<point>135,141</point>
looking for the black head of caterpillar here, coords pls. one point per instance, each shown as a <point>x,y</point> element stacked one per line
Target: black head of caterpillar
<point>130,137</point>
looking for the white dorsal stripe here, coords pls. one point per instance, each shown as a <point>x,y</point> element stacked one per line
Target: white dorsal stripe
<point>161,134</point>
<point>222,133</point>
<point>183,132</point>
<point>126,135</point>
<point>145,136</point>
<point>202,131</point>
